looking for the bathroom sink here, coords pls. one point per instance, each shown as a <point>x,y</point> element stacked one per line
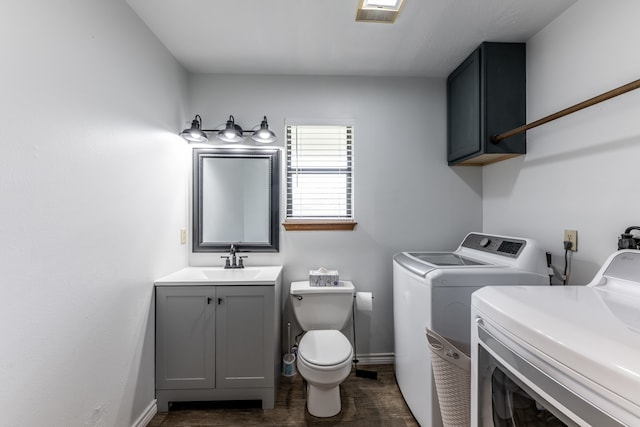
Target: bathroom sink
<point>232,275</point>
<point>254,275</point>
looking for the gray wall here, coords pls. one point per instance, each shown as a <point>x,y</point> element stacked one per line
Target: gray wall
<point>405,195</point>
<point>581,170</point>
<point>93,192</point>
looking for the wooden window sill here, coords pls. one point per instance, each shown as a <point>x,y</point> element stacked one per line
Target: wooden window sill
<point>318,225</point>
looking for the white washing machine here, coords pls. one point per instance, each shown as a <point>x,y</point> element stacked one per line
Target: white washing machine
<point>433,290</point>
<point>559,356</point>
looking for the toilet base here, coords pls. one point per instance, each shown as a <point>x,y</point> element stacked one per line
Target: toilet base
<point>323,402</point>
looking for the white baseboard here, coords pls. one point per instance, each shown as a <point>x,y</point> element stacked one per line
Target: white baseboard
<point>376,359</point>
<point>145,418</point>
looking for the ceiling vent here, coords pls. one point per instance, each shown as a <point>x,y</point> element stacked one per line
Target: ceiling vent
<point>382,11</point>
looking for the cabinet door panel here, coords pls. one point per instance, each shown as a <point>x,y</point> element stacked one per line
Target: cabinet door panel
<point>184,337</point>
<point>244,336</point>
<point>465,126</point>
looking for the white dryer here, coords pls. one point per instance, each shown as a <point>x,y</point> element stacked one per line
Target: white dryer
<point>433,290</point>
<point>561,355</point>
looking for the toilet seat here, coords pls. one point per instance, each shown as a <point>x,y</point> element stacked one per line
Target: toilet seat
<point>325,348</point>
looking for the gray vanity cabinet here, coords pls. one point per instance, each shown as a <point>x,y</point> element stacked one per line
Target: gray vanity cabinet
<point>216,343</point>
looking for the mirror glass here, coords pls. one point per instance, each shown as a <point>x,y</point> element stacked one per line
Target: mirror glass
<point>235,199</point>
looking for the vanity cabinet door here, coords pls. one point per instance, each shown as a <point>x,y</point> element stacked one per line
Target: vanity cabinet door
<point>185,322</point>
<point>245,340</point>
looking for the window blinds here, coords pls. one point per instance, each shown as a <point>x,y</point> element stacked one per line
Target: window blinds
<point>319,172</point>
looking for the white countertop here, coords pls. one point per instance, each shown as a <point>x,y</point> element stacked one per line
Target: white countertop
<point>254,275</point>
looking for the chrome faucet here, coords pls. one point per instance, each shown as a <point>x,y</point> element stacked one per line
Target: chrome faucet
<point>233,263</point>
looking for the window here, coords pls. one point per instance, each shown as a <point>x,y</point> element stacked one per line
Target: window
<point>319,175</point>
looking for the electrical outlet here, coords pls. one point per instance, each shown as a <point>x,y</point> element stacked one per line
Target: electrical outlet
<point>183,236</point>
<point>571,236</point>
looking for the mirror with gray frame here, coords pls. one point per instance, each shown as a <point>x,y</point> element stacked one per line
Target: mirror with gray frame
<point>236,199</point>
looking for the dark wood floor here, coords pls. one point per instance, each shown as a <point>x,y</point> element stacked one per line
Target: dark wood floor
<point>365,403</point>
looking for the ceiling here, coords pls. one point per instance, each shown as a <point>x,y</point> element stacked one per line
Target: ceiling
<point>320,37</point>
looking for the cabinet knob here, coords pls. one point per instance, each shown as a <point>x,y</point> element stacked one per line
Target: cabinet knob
<point>219,301</point>
<point>208,300</point>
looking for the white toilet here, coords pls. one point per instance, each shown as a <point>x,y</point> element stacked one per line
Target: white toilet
<point>324,353</point>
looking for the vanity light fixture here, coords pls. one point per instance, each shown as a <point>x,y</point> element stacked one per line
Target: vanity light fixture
<point>264,135</point>
<point>232,132</point>
<point>194,133</point>
<point>382,11</point>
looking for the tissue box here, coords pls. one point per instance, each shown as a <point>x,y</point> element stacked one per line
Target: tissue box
<point>323,277</point>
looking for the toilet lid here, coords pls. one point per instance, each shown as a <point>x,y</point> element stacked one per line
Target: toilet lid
<point>324,347</point>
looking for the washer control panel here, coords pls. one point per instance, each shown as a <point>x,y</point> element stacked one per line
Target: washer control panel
<point>511,248</point>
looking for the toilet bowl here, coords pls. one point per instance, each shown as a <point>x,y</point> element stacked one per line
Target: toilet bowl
<point>324,353</point>
<point>324,360</point>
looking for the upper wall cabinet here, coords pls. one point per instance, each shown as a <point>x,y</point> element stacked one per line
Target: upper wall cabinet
<point>486,96</point>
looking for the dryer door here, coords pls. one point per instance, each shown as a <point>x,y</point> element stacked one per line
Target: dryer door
<point>511,391</point>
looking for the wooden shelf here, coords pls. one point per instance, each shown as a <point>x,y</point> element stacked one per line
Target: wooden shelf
<point>486,159</point>
<point>318,225</point>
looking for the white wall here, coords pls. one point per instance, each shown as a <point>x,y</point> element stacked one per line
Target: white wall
<point>93,192</point>
<point>580,171</point>
<point>406,197</point>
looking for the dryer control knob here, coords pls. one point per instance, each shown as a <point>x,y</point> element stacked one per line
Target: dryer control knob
<point>485,242</point>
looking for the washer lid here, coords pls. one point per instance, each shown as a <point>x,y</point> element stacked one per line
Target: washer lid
<point>421,263</point>
<point>446,259</point>
<point>324,347</point>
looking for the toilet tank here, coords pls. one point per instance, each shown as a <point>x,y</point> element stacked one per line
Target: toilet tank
<point>322,307</point>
